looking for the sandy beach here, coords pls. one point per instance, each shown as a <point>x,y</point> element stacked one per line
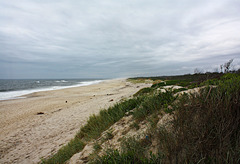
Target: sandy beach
<point>37,126</point>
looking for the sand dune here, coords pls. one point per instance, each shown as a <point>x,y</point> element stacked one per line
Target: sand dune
<point>40,124</point>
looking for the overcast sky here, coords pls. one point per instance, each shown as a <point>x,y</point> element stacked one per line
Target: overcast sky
<point>111,39</point>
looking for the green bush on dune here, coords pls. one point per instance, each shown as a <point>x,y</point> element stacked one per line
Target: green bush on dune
<point>143,91</point>
<point>153,103</point>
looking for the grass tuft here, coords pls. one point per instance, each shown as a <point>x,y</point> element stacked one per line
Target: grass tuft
<point>66,152</point>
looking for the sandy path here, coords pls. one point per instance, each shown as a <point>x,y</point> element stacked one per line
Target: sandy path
<point>25,137</point>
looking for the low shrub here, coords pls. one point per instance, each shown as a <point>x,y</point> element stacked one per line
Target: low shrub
<point>157,85</point>
<point>206,126</point>
<point>179,90</point>
<point>183,83</point>
<point>143,91</point>
<point>153,103</point>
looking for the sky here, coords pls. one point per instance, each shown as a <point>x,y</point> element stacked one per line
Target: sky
<point>113,39</point>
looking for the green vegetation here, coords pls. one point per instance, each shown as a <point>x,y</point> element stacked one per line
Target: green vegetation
<point>179,90</point>
<point>66,152</point>
<point>114,156</point>
<point>189,81</point>
<point>153,120</point>
<point>108,135</point>
<point>143,91</point>
<point>99,123</point>
<point>132,151</point>
<point>139,80</point>
<point>135,125</point>
<point>199,77</point>
<point>93,129</point>
<point>153,103</point>
<point>97,146</point>
<point>204,127</point>
<point>158,85</point>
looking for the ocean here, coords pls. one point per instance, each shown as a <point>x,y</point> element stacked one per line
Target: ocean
<point>14,89</point>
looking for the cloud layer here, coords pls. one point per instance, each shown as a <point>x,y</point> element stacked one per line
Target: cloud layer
<point>93,39</point>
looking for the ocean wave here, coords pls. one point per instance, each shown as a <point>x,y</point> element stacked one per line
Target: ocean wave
<point>61,81</point>
<point>6,95</point>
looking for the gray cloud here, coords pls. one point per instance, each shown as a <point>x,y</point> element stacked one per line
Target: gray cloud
<point>79,39</point>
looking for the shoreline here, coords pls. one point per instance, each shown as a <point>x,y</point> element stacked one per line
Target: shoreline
<point>19,94</point>
<point>26,136</point>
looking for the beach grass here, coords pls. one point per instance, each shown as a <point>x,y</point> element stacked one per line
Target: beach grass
<point>153,103</point>
<point>66,152</point>
<point>205,126</point>
<point>132,150</point>
<point>204,129</point>
<point>95,125</point>
<point>107,117</point>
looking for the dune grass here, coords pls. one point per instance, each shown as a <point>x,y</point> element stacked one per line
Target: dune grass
<point>205,129</point>
<point>153,103</point>
<point>132,151</point>
<point>206,126</point>
<point>99,123</point>
<point>96,124</point>
<point>66,152</point>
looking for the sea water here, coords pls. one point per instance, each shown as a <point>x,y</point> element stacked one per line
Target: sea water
<point>14,89</point>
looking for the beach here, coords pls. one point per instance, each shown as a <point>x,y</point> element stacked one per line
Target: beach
<point>40,124</point>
